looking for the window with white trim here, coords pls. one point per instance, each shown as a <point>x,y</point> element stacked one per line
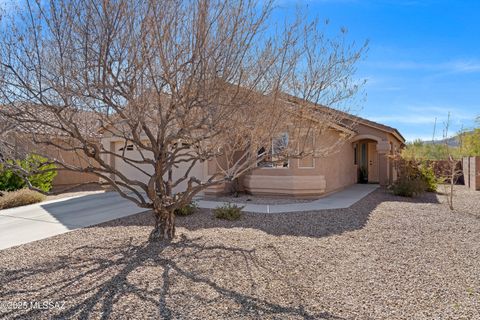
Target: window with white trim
<point>276,155</point>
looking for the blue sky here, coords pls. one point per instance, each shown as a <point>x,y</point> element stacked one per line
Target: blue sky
<point>423,59</point>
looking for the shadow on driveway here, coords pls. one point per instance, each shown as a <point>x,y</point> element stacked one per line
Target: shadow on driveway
<point>91,209</point>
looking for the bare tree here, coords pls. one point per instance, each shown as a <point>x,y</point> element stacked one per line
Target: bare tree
<point>453,170</point>
<point>181,81</point>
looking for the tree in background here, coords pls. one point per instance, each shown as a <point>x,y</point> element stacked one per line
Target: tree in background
<point>420,150</point>
<point>454,170</point>
<point>182,82</point>
<point>470,145</point>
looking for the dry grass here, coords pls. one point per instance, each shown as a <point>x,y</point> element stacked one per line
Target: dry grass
<point>387,257</point>
<point>19,198</point>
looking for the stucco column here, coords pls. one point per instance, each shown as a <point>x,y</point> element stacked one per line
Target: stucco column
<point>383,149</point>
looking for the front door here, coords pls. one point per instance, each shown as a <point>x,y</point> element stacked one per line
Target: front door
<point>363,163</point>
<point>372,162</point>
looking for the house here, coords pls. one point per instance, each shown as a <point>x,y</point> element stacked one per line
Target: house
<point>366,154</point>
<point>18,136</point>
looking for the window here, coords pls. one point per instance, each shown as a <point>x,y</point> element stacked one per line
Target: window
<point>127,148</point>
<point>275,156</point>
<point>307,145</point>
<point>364,154</point>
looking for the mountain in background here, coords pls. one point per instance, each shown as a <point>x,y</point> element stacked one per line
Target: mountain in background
<point>452,141</point>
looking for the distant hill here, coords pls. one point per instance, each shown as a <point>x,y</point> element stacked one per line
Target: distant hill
<point>452,141</point>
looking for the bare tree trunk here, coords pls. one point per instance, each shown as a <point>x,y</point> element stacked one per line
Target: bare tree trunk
<point>452,185</point>
<point>164,225</point>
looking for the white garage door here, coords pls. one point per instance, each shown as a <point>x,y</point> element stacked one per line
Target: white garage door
<point>134,174</point>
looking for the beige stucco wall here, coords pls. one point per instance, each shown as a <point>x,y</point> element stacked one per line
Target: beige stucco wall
<point>330,173</point>
<point>63,177</point>
<point>339,168</point>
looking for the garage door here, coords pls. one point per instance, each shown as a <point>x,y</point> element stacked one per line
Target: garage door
<point>133,173</point>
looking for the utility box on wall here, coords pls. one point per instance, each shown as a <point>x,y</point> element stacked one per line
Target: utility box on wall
<point>471,172</point>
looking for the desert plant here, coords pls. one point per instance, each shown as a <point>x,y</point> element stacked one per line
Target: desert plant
<point>427,174</point>
<point>454,167</point>
<point>411,182</point>
<point>19,198</point>
<point>362,174</point>
<point>11,180</point>
<point>187,210</point>
<point>228,212</point>
<point>406,187</point>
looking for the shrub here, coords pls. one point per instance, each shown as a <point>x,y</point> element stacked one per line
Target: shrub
<point>362,175</point>
<point>410,181</point>
<point>187,210</point>
<point>10,181</point>
<point>428,176</point>
<point>415,177</point>
<point>409,187</point>
<point>19,198</point>
<point>228,212</point>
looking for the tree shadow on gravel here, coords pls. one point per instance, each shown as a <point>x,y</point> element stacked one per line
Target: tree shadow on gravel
<point>109,281</point>
<point>315,224</point>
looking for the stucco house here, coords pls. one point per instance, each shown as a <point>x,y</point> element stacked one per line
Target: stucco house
<point>20,138</point>
<point>368,149</point>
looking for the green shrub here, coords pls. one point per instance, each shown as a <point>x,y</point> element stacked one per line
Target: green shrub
<point>187,210</point>
<point>19,198</point>
<point>428,176</point>
<point>228,212</point>
<point>414,178</point>
<point>10,181</point>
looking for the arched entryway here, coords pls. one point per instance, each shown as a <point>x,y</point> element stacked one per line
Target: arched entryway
<point>371,159</point>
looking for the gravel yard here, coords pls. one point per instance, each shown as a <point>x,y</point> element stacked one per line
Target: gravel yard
<point>384,258</point>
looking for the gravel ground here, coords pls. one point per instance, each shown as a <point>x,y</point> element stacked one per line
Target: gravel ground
<point>384,258</point>
<point>247,198</point>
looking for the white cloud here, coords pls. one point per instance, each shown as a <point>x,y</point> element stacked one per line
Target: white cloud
<point>417,115</point>
<point>454,66</point>
<point>381,83</point>
<point>417,121</point>
<point>405,119</point>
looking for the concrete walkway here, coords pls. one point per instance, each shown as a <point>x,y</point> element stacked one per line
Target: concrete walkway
<point>339,200</point>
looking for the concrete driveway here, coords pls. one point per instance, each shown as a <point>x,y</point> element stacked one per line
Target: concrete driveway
<point>38,221</point>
